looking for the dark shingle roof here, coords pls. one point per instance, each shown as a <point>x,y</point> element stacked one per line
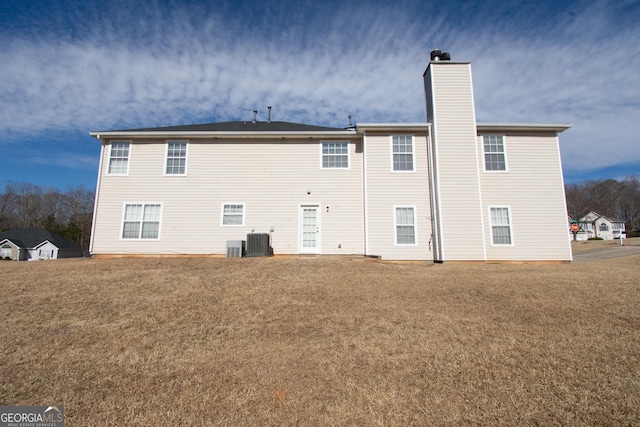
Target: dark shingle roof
<point>239,126</point>
<point>32,237</point>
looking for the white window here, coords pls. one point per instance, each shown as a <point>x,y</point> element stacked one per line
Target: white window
<point>500,226</point>
<point>141,221</point>
<point>405,223</point>
<point>402,148</point>
<point>119,158</point>
<point>176,158</point>
<point>233,214</point>
<point>335,155</point>
<point>604,227</point>
<point>494,153</point>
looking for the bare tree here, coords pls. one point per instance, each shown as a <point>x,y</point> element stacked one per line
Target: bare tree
<point>68,213</point>
<point>8,201</point>
<point>615,199</point>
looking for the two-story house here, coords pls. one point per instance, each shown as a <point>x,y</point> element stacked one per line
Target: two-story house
<point>593,225</point>
<point>449,189</point>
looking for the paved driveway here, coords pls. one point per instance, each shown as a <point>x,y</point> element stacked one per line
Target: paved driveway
<point>607,252</point>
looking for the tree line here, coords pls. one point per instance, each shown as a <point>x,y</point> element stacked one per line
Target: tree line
<point>68,213</point>
<point>612,198</point>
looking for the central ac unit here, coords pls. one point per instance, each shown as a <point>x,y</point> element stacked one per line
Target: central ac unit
<point>258,245</point>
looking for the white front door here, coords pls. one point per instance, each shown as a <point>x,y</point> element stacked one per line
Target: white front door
<point>309,240</point>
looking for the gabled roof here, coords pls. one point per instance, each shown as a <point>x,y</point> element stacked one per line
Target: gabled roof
<point>16,242</point>
<point>29,238</point>
<point>594,216</point>
<point>237,129</point>
<point>238,126</point>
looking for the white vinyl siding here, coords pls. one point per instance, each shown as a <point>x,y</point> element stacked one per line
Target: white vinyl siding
<point>402,153</point>
<point>233,214</point>
<point>119,158</point>
<point>386,190</point>
<point>335,155</point>
<point>176,162</point>
<point>405,223</point>
<point>272,178</point>
<point>500,225</point>
<point>455,162</point>
<point>141,221</point>
<point>537,212</point>
<point>495,158</point>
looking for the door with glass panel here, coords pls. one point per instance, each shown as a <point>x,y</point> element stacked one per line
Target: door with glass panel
<point>309,234</point>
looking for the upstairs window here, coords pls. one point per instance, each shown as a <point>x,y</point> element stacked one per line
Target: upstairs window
<point>176,158</point>
<point>604,227</point>
<point>405,225</point>
<point>141,221</point>
<point>335,155</point>
<point>500,226</point>
<point>233,214</point>
<point>494,153</point>
<point>119,158</point>
<point>402,147</point>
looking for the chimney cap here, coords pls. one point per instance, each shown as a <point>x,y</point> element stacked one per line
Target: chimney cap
<point>438,55</point>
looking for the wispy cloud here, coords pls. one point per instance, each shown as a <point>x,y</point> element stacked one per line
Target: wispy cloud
<point>320,62</point>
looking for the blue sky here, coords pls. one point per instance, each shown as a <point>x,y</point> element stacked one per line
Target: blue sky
<point>70,67</point>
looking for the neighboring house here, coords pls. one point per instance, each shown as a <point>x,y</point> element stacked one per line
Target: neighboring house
<point>22,244</point>
<point>448,189</point>
<point>594,225</point>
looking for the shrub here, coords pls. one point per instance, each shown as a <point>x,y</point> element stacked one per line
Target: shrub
<point>595,238</point>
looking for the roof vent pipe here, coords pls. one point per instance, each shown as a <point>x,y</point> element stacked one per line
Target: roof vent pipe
<point>269,114</point>
<point>350,122</point>
<point>255,114</point>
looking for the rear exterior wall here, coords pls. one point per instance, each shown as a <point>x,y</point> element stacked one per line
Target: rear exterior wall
<point>532,188</point>
<point>387,189</point>
<point>272,178</point>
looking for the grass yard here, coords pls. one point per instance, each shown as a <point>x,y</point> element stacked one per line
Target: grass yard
<point>322,341</point>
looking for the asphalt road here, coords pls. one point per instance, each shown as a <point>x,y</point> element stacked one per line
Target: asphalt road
<point>606,253</point>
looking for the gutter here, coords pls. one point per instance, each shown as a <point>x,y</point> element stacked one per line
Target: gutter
<point>102,136</point>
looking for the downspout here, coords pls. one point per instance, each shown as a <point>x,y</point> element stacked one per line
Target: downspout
<point>364,193</point>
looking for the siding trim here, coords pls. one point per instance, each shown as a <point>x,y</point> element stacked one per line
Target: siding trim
<point>435,232</point>
<point>564,194</point>
<point>480,198</point>
<point>95,201</point>
<point>365,202</point>
<point>437,188</point>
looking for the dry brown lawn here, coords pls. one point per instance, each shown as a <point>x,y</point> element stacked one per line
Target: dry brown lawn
<point>322,341</point>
